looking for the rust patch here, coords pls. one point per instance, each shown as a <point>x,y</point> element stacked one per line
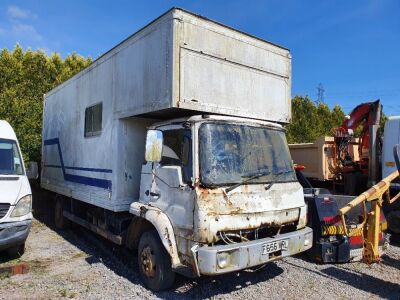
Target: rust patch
<point>185,233</point>
<point>204,192</point>
<point>166,234</point>
<point>143,211</point>
<point>226,198</point>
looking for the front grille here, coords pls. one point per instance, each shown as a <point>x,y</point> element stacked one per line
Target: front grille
<point>237,236</point>
<point>4,207</point>
<point>9,178</point>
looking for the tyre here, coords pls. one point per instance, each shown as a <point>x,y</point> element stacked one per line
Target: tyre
<point>59,219</point>
<point>154,262</point>
<point>16,251</point>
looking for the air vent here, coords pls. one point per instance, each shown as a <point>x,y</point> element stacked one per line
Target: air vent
<point>9,178</point>
<point>4,207</point>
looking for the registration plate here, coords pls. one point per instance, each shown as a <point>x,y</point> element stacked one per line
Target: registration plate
<point>275,246</point>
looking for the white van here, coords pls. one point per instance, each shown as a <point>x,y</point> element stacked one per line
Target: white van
<point>391,138</point>
<point>15,194</point>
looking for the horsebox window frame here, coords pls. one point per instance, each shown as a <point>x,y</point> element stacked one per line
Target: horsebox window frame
<point>93,120</point>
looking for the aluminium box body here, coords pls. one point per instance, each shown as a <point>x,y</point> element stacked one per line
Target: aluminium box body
<point>180,64</point>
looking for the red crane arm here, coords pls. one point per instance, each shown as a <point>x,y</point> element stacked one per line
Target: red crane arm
<point>365,115</point>
<point>361,113</point>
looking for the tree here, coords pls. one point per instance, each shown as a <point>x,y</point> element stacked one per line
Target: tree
<point>310,120</point>
<point>25,76</point>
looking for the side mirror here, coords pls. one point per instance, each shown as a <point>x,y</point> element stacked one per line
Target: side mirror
<point>32,172</point>
<point>154,144</point>
<point>396,153</point>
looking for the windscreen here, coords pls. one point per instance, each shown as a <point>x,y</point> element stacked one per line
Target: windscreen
<point>232,153</point>
<point>10,159</point>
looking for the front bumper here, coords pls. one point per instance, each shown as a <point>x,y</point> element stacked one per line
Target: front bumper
<point>13,234</point>
<point>249,254</point>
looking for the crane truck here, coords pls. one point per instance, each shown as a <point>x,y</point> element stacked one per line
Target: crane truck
<point>355,165</point>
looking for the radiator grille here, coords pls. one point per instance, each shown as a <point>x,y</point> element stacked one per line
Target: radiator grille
<point>4,207</point>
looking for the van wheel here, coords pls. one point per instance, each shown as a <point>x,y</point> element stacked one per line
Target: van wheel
<point>154,262</point>
<point>17,251</point>
<point>59,219</point>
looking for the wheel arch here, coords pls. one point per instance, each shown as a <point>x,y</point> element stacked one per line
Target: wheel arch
<point>147,218</point>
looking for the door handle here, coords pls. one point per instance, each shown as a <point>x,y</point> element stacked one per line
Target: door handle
<point>154,194</point>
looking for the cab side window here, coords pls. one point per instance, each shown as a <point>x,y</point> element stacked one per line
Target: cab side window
<point>93,120</point>
<point>177,151</point>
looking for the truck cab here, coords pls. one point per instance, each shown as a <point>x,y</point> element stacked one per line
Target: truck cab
<point>222,193</point>
<point>15,194</point>
<point>392,138</point>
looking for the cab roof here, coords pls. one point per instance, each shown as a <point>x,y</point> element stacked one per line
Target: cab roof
<point>207,117</point>
<point>6,131</point>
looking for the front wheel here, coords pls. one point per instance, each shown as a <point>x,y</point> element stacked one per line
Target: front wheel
<point>154,262</point>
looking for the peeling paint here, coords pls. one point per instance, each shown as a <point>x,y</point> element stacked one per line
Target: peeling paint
<point>247,207</point>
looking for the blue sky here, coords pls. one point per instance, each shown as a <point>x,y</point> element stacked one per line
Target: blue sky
<point>351,47</point>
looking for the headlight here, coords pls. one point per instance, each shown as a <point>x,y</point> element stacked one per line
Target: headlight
<point>308,240</point>
<point>23,207</point>
<point>223,259</point>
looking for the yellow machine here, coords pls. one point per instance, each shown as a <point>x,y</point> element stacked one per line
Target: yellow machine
<point>370,225</point>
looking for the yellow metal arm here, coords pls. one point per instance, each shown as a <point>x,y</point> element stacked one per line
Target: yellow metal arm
<point>371,221</point>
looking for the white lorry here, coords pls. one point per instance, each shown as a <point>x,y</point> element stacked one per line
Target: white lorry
<point>15,194</point>
<point>390,139</point>
<point>172,143</point>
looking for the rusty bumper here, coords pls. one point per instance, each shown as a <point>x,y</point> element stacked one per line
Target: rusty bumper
<point>228,258</point>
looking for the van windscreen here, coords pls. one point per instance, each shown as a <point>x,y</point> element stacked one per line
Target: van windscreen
<point>10,159</point>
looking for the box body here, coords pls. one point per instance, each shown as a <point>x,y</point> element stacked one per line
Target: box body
<point>178,65</point>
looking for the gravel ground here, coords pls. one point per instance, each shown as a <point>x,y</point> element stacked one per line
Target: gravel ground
<point>77,264</point>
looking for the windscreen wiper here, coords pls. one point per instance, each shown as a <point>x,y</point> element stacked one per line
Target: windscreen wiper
<point>248,178</point>
<point>282,172</point>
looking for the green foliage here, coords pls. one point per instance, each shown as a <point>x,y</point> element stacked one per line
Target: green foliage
<point>25,76</point>
<point>310,120</point>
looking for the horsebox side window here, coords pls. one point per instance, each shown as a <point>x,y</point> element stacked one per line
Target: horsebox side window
<point>93,119</point>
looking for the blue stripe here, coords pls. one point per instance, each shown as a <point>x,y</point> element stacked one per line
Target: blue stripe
<point>52,166</point>
<point>81,169</point>
<point>97,182</point>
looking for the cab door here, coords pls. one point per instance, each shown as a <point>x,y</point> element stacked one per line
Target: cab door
<point>171,188</point>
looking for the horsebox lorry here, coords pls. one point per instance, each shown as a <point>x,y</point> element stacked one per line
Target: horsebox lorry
<point>172,143</point>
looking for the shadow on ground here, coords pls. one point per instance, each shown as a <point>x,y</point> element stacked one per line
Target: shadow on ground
<point>388,261</point>
<point>373,285</point>
<point>6,258</point>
